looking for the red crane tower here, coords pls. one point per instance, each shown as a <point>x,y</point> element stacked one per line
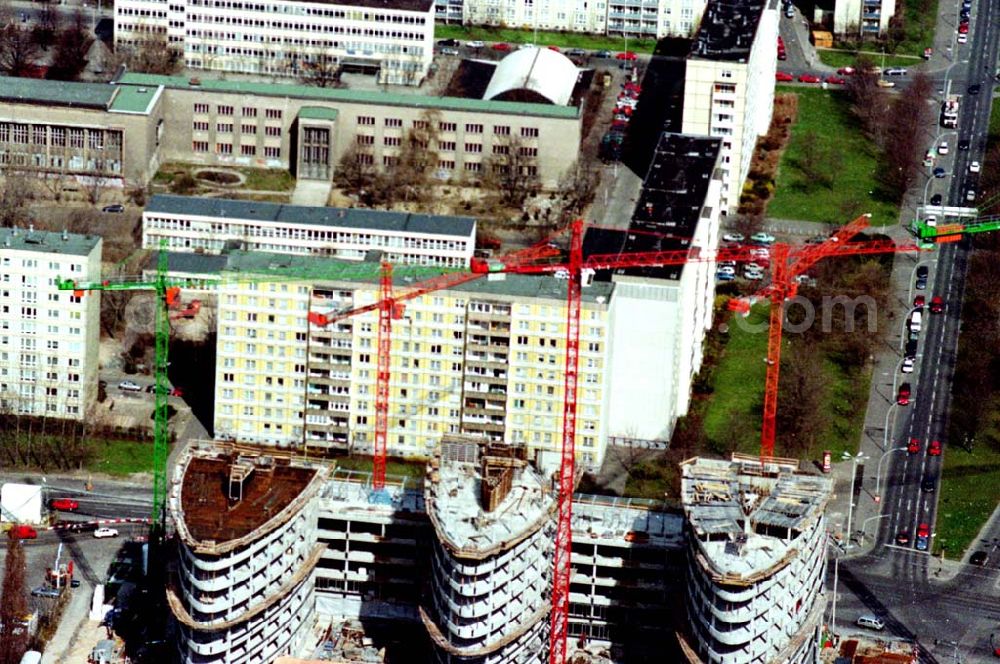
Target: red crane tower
<point>787,263</point>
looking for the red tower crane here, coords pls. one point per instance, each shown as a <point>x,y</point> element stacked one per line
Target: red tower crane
<point>786,263</point>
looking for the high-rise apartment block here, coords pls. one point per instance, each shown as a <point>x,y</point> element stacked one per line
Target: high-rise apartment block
<point>288,37</point>
<point>48,337</point>
<point>862,18</point>
<point>729,84</point>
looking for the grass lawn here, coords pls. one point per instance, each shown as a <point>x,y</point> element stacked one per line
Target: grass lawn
<point>268,179</point>
<point>994,135</point>
<point>826,113</point>
<point>919,18</point>
<point>848,403</point>
<point>844,58</point>
<point>544,38</point>
<point>970,491</point>
<point>121,457</point>
<point>410,468</point>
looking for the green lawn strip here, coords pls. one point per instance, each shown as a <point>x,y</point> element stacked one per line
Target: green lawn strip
<point>541,38</point>
<point>268,179</point>
<point>415,468</point>
<point>919,22</point>
<point>848,401</point>
<point>121,457</point>
<point>970,491</point>
<point>994,134</point>
<point>738,388</point>
<point>845,58</point>
<point>826,113</point>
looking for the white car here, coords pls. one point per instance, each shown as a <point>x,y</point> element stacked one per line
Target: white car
<point>475,44</point>
<point>105,532</point>
<point>907,365</point>
<point>762,238</point>
<point>129,386</point>
<point>755,267</point>
<point>527,45</point>
<point>725,269</point>
<point>733,237</point>
<point>974,167</point>
<point>963,38</point>
<point>931,221</point>
<point>753,275</point>
<point>943,148</point>
<point>760,253</point>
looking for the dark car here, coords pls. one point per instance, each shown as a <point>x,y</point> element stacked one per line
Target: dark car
<point>603,54</point>
<point>963,145</point>
<point>911,350</point>
<point>922,273</point>
<point>936,199</point>
<point>940,172</point>
<point>974,89</point>
<point>117,208</point>
<point>903,537</point>
<point>928,485</point>
<point>447,42</point>
<point>979,558</point>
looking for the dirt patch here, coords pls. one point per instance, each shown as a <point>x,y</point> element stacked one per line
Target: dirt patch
<point>220,177</point>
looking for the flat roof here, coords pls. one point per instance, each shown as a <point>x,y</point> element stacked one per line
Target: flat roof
<point>56,93</point>
<point>138,99</point>
<point>403,5</point>
<point>728,29</point>
<point>189,263</point>
<point>368,97</point>
<point>376,220</point>
<point>318,113</point>
<point>71,244</point>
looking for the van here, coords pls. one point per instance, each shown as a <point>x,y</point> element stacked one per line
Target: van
<point>915,321</point>
<point>31,657</point>
<point>871,622</point>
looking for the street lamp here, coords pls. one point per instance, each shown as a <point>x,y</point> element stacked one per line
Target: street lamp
<point>855,459</point>
<point>878,474</point>
<point>885,429</point>
<point>864,526</point>
<point>836,578</point>
<point>895,374</point>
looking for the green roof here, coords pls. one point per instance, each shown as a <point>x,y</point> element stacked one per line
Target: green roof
<point>374,98</point>
<point>134,99</point>
<point>56,93</point>
<point>70,244</point>
<point>318,113</point>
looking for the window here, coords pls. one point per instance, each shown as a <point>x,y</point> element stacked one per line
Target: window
<point>392,141</point>
<point>473,167</point>
<point>727,73</point>
<point>388,161</point>
<point>393,122</point>
<point>273,114</point>
<point>224,110</point>
<point>529,132</point>
<point>474,148</point>
<point>248,150</point>
<point>446,164</point>
<point>725,88</point>
<point>223,148</point>
<point>59,136</point>
<point>448,146</point>
<point>201,108</point>
<point>447,126</point>
<point>365,140</point>
<point>272,131</point>
<point>272,153</point>
<point>527,152</point>
<point>366,120</point>
<point>249,112</point>
<point>501,130</point>
<point>224,127</point>
<point>200,125</point>
<point>248,129</point>
<point>473,129</point>
<point>501,149</point>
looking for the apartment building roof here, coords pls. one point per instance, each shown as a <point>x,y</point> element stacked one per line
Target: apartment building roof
<point>746,514</point>
<point>626,521</point>
<point>367,97</point>
<point>728,29</point>
<point>672,202</point>
<point>399,5</point>
<point>99,96</point>
<point>72,244</point>
<point>377,220</point>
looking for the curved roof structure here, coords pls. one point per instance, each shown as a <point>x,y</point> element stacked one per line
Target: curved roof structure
<point>539,74</point>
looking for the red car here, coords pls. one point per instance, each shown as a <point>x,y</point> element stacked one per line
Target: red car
<point>846,71</point>
<point>919,301</point>
<point>914,446</point>
<point>784,76</point>
<point>554,48</point>
<point>627,55</point>
<point>835,80</point>
<point>22,531</point>
<point>934,449</point>
<point>963,29</point>
<point>903,397</point>
<point>903,537</point>
<point>809,78</point>
<point>937,304</point>
<point>502,46</point>
<point>923,530</point>
<point>64,504</point>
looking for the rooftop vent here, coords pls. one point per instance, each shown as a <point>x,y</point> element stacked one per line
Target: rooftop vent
<point>194,82</point>
<point>142,91</point>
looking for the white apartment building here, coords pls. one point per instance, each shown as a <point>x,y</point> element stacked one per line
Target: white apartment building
<point>491,566</point>
<point>241,590</point>
<point>288,37</point>
<point>650,19</point>
<point>729,84</point>
<point>862,18</point>
<point>214,225</point>
<point>756,560</point>
<point>48,337</point>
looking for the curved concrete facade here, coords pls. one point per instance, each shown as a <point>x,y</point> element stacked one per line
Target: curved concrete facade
<point>756,561</point>
<point>490,569</point>
<point>243,597</point>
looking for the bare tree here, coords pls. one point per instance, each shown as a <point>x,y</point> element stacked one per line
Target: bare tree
<point>72,46</point>
<point>46,25</point>
<point>902,146</point>
<point>94,187</point>
<point>577,188</point>
<point>152,54</point>
<point>356,172</point>
<point>512,170</point>
<point>408,177</point>
<point>15,193</point>
<point>323,73</point>
<point>13,608</point>
<point>18,51</point>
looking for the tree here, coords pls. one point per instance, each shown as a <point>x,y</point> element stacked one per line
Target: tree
<point>152,54</point>
<point>747,224</point>
<point>902,146</point>
<point>46,25</point>
<point>323,73</point>
<point>15,192</point>
<point>18,51</point>
<point>512,170</point>
<point>356,172</point>
<point>577,189</point>
<point>408,176</point>
<point>868,102</point>
<point>13,608</point>
<point>802,394</point>
<point>72,46</point>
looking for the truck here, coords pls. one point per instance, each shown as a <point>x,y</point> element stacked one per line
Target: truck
<point>949,112</point>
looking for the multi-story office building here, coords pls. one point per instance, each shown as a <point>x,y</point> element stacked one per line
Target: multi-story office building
<point>491,561</point>
<point>756,560</point>
<point>122,132</point>
<point>241,590</point>
<point>729,84</point>
<point>288,37</point>
<point>48,337</point>
<point>862,18</point>
<point>650,19</point>
<point>214,225</point>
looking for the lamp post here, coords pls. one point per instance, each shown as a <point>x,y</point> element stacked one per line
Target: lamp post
<point>855,459</point>
<point>864,526</point>
<point>885,429</point>
<point>878,473</point>
<point>836,579</point>
<point>895,374</point>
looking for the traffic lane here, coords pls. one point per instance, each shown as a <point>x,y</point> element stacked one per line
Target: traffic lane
<point>56,485</point>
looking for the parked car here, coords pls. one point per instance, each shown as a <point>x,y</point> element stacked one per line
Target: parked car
<point>846,71</point>
<point>914,446</point>
<point>116,208</point>
<point>525,45</point>
<point>936,199</point>
<point>975,167</point>
<point>896,71</point>
<point>733,237</point>
<point>934,449</point>
<point>45,591</point>
<point>940,172</point>
<point>871,622</point>
<point>447,42</point>
<point>753,275</point>
<point>963,38</point>
<point>937,304</point>
<point>726,269</point>
<point>448,50</point>
<point>576,52</point>
<point>911,350</point>
<point>809,78</point>
<point>919,301</point>
<point>475,43</point>
<point>922,273</point>
<point>762,238</point>
<point>928,485</point>
<point>627,55</point>
<point>835,80</point>
<point>502,46</point>
<point>22,531</point>
<point>882,83</point>
<point>942,148</point>
<point>979,558</point>
<point>64,504</point>
<point>105,532</point>
<point>784,77</point>
<point>129,386</point>
<point>602,54</point>
<point>907,366</point>
<point>963,29</point>
<point>903,396</point>
<point>724,276</point>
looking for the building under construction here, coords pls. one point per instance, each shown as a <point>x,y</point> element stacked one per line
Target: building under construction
<point>756,563</point>
<point>454,568</point>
